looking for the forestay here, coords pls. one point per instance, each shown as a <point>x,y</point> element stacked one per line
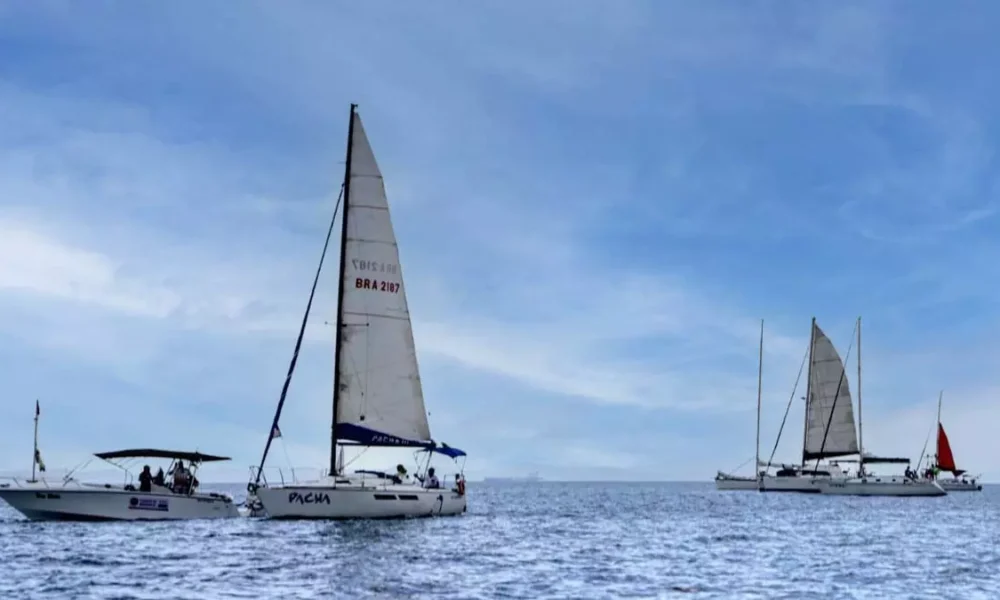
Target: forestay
<point>380,400</point>
<point>829,404</point>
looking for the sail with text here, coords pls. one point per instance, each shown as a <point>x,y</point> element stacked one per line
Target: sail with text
<point>380,399</point>
<point>945,458</point>
<point>830,426</point>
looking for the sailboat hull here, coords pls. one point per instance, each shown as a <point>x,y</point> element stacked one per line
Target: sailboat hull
<point>960,486</point>
<point>358,501</point>
<point>881,486</point>
<point>734,483</point>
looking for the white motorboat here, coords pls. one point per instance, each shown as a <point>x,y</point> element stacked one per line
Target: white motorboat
<point>378,399</point>
<point>73,500</point>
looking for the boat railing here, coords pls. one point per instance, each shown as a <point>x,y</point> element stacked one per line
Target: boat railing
<point>287,475</point>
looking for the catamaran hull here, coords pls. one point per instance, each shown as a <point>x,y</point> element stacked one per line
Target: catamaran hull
<point>58,504</point>
<point>883,486</point>
<point>801,485</point>
<point>359,502</point>
<point>960,486</point>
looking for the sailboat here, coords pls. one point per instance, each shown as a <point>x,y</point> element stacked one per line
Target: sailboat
<point>728,481</point>
<point>828,431</point>
<point>378,398</point>
<point>840,425</point>
<point>945,461</point>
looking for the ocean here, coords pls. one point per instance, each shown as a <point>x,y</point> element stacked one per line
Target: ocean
<point>536,540</point>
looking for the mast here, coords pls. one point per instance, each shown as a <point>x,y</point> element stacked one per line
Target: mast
<point>34,453</point>
<point>937,450</point>
<point>340,291</point>
<point>760,375</point>
<point>861,445</point>
<point>805,428</point>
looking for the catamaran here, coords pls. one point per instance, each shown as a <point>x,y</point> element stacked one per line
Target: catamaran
<point>789,478</point>
<point>378,398</point>
<point>838,438</point>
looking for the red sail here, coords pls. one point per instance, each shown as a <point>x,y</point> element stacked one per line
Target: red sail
<point>945,459</point>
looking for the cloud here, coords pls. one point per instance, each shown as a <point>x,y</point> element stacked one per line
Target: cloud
<point>592,221</point>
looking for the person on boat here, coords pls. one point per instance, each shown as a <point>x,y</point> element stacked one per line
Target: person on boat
<point>401,475</point>
<point>159,479</point>
<point>145,480</point>
<point>181,478</point>
<point>459,484</point>
<point>431,481</point>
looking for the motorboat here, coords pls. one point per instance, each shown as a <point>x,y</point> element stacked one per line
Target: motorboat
<point>70,499</point>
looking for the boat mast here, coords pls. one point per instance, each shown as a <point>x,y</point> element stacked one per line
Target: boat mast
<point>340,292</point>
<point>760,375</point>
<point>861,445</point>
<point>937,450</point>
<point>34,452</point>
<point>805,429</point>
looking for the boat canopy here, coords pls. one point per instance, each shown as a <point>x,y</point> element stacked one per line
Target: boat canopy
<point>196,457</point>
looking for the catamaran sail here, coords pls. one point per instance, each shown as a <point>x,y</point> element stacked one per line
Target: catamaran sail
<point>378,398</point>
<point>830,427</point>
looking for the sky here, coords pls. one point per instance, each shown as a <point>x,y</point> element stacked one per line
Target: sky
<point>596,203</point>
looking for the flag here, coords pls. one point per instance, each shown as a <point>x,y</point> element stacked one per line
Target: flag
<point>39,461</point>
<point>38,409</point>
<point>275,432</point>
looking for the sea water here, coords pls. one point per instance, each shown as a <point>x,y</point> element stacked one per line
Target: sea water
<point>536,540</point>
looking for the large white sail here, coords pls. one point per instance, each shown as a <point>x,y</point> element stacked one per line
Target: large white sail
<point>380,400</point>
<point>830,427</point>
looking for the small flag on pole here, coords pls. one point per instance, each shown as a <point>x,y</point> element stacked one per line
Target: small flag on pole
<point>275,432</point>
<point>39,461</point>
<point>38,409</point>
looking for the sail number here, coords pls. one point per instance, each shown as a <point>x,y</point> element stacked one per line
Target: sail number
<point>374,266</point>
<point>376,285</point>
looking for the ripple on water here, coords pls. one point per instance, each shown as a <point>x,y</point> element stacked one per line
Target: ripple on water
<point>546,540</point>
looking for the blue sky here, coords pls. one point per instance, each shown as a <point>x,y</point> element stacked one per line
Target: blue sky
<point>596,202</point>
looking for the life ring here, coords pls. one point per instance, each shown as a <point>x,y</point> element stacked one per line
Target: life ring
<point>252,487</point>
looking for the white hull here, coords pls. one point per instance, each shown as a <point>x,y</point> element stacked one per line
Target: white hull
<point>734,484</point>
<point>75,501</point>
<point>951,485</point>
<point>800,484</point>
<point>881,486</point>
<point>357,498</point>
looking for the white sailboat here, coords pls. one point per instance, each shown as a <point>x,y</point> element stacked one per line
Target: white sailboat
<point>728,481</point>
<point>378,398</point>
<point>824,379</point>
<point>833,415</point>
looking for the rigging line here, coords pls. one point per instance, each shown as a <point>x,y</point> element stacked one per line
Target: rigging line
<point>788,407</point>
<point>298,342</point>
<point>833,408</point>
<point>923,452</point>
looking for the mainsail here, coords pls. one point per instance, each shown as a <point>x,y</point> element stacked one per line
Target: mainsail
<point>945,459</point>
<point>830,427</point>
<point>379,400</point>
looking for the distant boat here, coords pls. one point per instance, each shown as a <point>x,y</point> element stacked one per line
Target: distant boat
<point>945,461</point>
<point>529,478</point>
